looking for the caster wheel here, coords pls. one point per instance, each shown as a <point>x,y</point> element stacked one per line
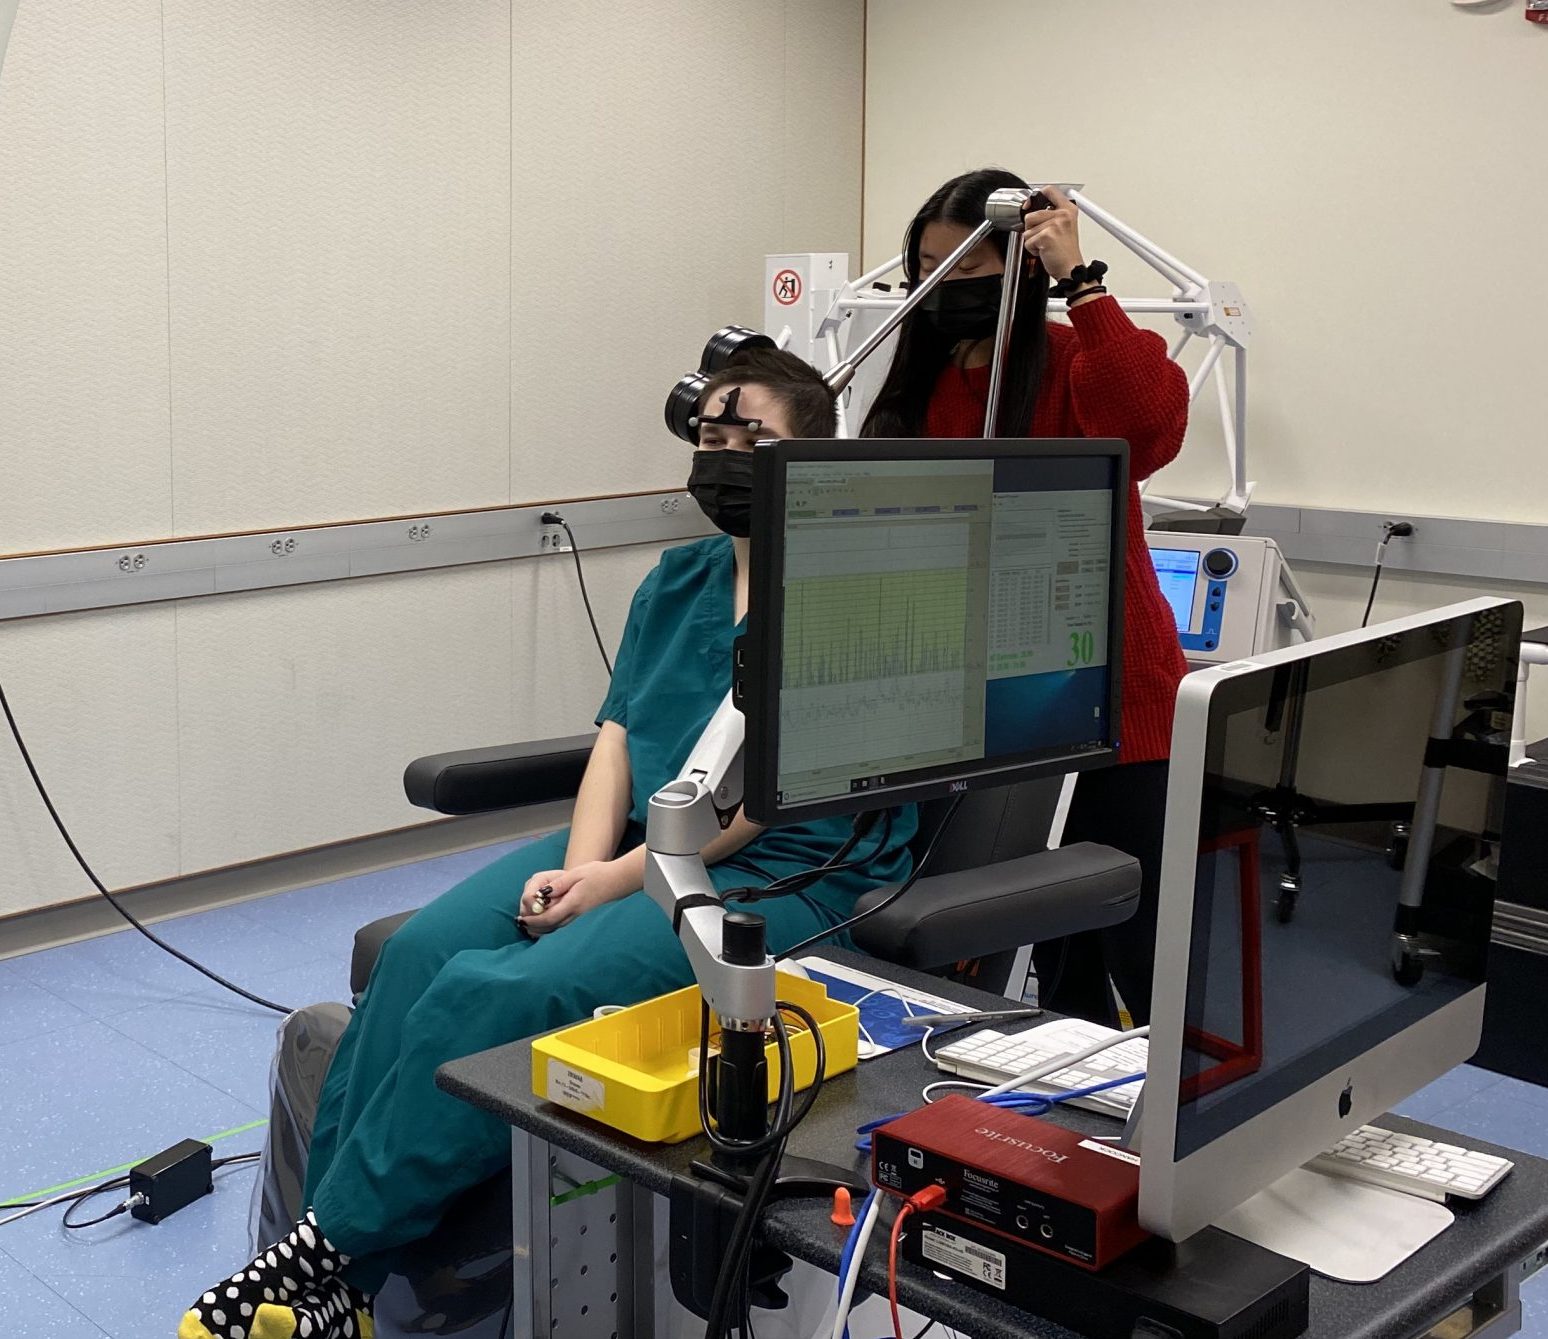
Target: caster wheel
<point>1289,895</point>
<point>1408,971</point>
<point>1397,850</point>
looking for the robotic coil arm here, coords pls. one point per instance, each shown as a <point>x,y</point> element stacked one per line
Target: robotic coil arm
<point>1204,308</point>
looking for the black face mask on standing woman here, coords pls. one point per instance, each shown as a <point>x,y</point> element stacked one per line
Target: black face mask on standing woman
<point>964,308</point>
<point>721,483</point>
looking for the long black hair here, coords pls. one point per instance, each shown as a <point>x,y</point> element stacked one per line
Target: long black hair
<point>922,353</point>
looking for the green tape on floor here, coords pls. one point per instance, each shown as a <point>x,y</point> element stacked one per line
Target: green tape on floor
<point>114,1171</point>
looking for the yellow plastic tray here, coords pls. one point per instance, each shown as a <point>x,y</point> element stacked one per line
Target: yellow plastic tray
<point>631,1070</point>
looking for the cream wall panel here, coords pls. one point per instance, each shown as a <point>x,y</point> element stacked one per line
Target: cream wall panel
<point>1359,169</point>
<point>558,679</point>
<point>83,272</point>
<point>339,192</point>
<point>661,150</point>
<point>1338,595</point>
<point>95,696</point>
<point>299,709</point>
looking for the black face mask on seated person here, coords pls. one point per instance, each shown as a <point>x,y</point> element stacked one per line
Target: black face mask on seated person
<point>721,483</point>
<point>964,308</point>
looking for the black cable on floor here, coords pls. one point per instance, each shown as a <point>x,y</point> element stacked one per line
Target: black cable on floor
<point>93,1222</point>
<point>554,518</point>
<point>97,883</point>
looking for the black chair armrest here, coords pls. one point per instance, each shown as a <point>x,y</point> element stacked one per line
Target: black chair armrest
<point>977,912</point>
<point>479,781</point>
<point>368,946</point>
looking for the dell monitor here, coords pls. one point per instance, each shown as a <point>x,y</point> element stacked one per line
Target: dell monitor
<point>1327,890</point>
<point>928,617</point>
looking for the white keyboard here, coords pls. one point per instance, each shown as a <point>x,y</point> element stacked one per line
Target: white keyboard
<point>992,1057</point>
<point>1413,1165</point>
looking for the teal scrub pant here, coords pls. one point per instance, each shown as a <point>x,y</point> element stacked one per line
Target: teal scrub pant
<point>390,1150</point>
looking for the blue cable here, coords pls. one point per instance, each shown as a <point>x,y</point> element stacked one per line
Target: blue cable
<point>1026,1104</point>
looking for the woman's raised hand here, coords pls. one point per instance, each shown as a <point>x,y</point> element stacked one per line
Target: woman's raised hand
<point>1052,235</point>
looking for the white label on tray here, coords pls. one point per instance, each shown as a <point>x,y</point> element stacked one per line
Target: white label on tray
<point>1108,1150</point>
<point>570,1088</point>
<point>966,1257</point>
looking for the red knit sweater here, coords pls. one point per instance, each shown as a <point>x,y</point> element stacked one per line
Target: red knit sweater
<point>1106,378</point>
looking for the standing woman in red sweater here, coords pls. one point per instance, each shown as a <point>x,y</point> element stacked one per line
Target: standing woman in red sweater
<point>1099,376</point>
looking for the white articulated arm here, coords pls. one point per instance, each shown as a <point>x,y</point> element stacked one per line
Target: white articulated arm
<point>685,816</point>
<point>1532,653</point>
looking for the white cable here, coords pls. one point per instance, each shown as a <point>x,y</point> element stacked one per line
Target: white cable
<point>928,1094</point>
<point>908,1005</point>
<point>847,1292</point>
<point>45,1204</point>
<point>1066,1061</point>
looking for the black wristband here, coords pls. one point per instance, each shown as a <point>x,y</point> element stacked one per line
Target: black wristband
<point>1095,291</point>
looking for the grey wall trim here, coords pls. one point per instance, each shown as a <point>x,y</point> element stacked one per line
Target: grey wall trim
<point>105,578</point>
<point>1440,545</point>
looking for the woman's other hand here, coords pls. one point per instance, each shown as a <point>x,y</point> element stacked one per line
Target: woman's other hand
<point>1052,236</point>
<point>571,893</point>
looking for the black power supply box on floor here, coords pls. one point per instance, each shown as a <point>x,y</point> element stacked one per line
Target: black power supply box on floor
<point>1212,1286</point>
<point>174,1177</point>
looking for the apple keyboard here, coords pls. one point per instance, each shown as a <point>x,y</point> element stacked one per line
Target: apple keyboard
<point>1414,1165</point>
<point>992,1057</point>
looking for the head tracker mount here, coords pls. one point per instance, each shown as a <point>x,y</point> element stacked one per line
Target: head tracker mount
<point>728,417</point>
<point>682,406</point>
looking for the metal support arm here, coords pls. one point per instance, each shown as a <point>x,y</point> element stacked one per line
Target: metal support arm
<point>684,816</point>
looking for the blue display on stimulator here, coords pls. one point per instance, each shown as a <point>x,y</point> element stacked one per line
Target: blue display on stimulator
<point>1177,573</point>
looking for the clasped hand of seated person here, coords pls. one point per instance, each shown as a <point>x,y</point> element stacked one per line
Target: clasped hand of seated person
<point>571,893</point>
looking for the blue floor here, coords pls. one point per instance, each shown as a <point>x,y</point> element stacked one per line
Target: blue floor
<point>111,1051</point>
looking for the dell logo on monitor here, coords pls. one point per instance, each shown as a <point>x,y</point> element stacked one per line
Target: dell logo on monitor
<point>958,788</point>
<point>1346,1099</point>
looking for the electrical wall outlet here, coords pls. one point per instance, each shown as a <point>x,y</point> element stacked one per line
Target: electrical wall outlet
<point>551,535</point>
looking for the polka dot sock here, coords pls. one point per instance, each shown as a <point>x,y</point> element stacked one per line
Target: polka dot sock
<point>304,1264</point>
<point>335,1311</point>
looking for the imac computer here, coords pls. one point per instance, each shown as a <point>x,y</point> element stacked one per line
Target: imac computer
<point>1365,774</point>
<point>929,617</point>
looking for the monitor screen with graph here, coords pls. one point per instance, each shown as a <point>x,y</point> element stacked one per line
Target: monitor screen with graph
<point>928,617</point>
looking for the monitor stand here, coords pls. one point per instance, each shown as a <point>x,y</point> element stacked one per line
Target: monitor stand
<point>1343,1229</point>
<point>1346,1230</point>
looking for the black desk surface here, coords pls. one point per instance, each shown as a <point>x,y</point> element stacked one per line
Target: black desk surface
<point>1485,1239</point>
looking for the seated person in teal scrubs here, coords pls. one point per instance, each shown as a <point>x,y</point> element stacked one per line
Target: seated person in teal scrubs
<point>494,959</point>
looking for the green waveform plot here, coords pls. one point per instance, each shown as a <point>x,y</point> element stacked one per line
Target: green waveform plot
<point>883,626</point>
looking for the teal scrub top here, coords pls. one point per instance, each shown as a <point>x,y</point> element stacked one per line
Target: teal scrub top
<point>672,671</point>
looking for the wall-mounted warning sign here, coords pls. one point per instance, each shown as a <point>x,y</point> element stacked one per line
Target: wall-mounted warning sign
<point>787,288</point>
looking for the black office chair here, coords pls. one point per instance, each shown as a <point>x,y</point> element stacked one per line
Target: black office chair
<point>993,886</point>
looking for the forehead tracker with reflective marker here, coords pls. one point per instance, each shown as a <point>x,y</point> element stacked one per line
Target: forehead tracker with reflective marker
<point>728,417</point>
